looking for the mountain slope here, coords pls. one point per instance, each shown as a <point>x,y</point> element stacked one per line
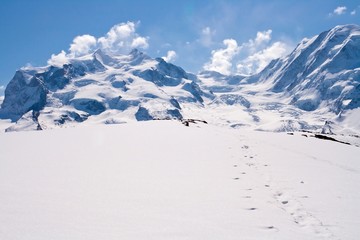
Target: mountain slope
<point>323,71</point>
<point>314,88</point>
<point>161,180</point>
<point>118,88</point>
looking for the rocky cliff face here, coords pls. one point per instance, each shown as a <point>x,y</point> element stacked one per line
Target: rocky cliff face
<point>24,93</point>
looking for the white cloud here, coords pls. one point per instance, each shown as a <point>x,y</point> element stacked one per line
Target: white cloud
<point>120,39</point>
<point>58,60</point>
<point>340,10</point>
<point>259,60</point>
<point>221,59</point>
<point>170,56</point>
<point>140,42</point>
<point>263,37</point>
<point>250,57</point>
<point>206,36</point>
<point>82,45</point>
<point>353,12</point>
<point>115,37</point>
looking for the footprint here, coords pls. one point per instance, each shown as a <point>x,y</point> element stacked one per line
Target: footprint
<point>270,227</point>
<point>247,197</point>
<point>301,216</point>
<point>236,178</point>
<point>251,209</point>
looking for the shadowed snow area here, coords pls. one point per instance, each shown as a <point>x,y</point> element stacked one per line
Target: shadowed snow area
<point>162,180</point>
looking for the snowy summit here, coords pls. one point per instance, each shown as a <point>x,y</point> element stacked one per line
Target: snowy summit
<point>315,87</point>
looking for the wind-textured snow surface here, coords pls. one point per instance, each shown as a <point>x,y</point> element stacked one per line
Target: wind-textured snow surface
<point>162,180</point>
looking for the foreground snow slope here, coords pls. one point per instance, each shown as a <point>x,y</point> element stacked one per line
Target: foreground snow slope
<point>162,180</point>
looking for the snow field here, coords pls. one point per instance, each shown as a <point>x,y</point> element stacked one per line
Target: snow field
<point>162,180</point>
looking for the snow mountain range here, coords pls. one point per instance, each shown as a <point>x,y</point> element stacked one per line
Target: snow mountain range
<point>316,88</point>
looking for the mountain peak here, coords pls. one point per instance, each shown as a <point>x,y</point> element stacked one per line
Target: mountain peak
<point>138,56</point>
<point>100,85</point>
<point>346,29</point>
<point>136,53</point>
<point>104,58</point>
<point>320,77</point>
<point>323,70</point>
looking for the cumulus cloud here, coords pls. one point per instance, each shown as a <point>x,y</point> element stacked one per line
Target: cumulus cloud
<point>259,52</point>
<point>82,45</point>
<point>249,57</point>
<point>170,56</point>
<point>117,35</point>
<point>259,60</point>
<point>206,36</point>
<point>58,59</point>
<point>140,42</point>
<point>263,37</point>
<point>340,10</point>
<point>261,40</point>
<point>221,59</point>
<point>121,38</point>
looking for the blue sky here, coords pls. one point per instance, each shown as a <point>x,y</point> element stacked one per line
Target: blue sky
<point>225,35</point>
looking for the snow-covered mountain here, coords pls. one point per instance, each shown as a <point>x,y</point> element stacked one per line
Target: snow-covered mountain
<point>119,88</point>
<point>323,71</point>
<point>316,87</point>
